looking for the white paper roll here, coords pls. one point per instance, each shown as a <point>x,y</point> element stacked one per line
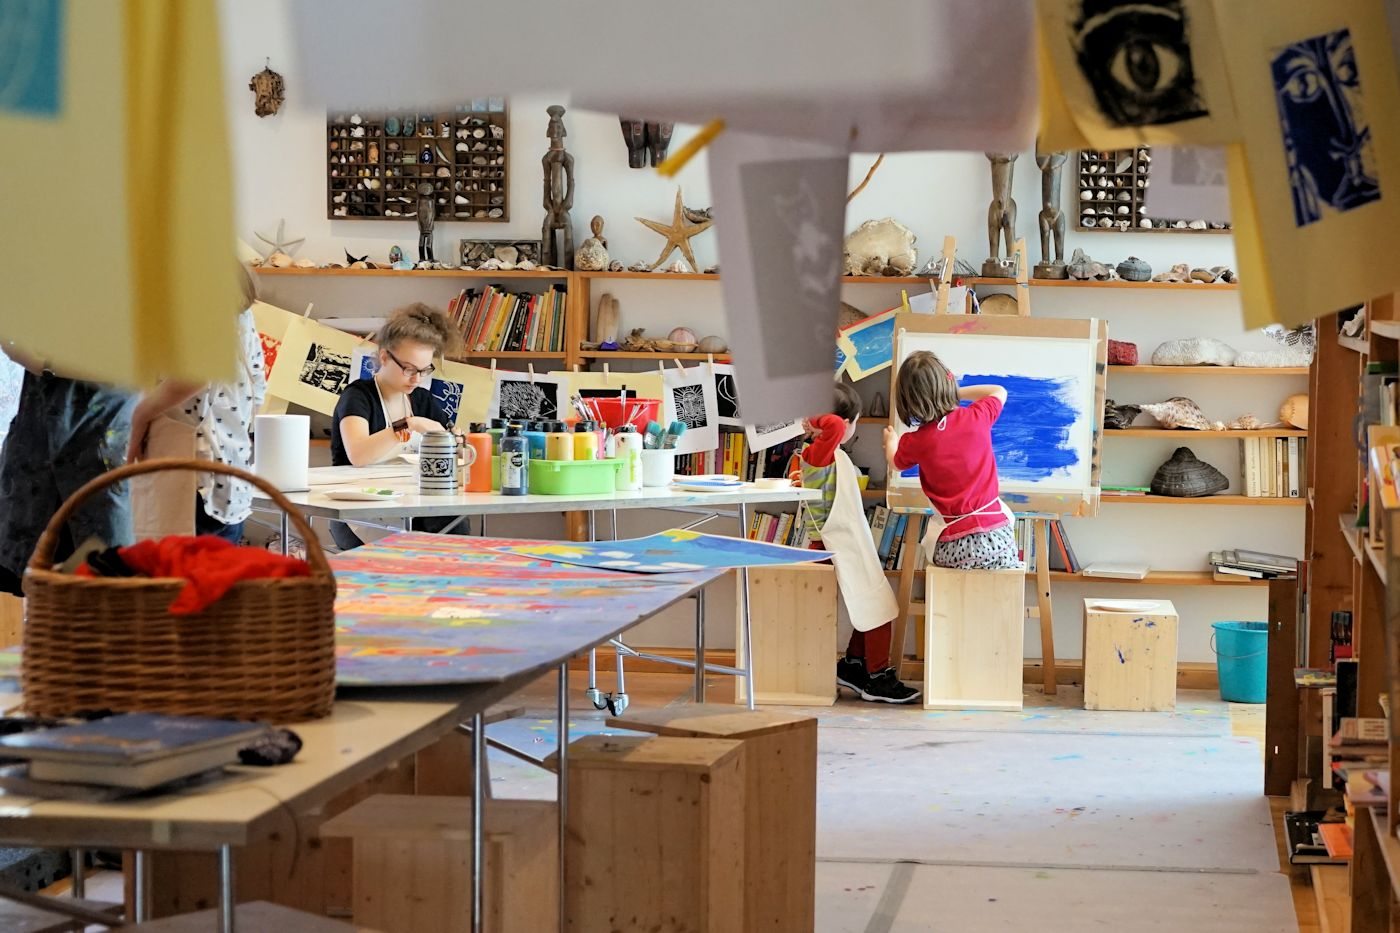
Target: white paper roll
<point>281,447</point>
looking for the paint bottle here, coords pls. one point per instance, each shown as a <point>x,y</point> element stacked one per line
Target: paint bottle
<point>629,451</point>
<point>585,441</point>
<point>558,442</point>
<point>535,434</point>
<point>515,462</point>
<point>498,428</point>
<point>479,468</point>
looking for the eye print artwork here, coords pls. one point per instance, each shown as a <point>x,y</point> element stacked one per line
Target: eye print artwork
<point>1137,59</point>
<point>1326,137</point>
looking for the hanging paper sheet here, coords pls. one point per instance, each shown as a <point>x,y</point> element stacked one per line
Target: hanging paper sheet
<point>272,323</point>
<point>673,551</point>
<point>1315,186</point>
<point>690,398</point>
<point>313,365</point>
<point>526,397</point>
<point>1130,73</point>
<point>727,396</point>
<point>869,345</point>
<point>126,254</point>
<point>763,436</point>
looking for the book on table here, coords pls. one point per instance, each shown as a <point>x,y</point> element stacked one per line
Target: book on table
<point>132,750</point>
<point>1306,845</point>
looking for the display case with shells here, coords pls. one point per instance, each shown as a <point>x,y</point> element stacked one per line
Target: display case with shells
<point>1112,186</point>
<point>375,161</point>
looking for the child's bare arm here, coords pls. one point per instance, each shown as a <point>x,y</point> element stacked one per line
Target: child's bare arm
<point>974,393</point>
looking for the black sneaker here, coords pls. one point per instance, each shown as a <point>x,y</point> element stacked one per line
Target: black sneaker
<point>886,687</point>
<point>850,673</point>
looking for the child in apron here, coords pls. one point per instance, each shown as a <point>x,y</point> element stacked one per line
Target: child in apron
<point>952,447</point>
<point>837,523</point>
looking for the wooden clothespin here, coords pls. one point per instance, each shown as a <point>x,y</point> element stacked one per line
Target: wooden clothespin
<point>945,277</point>
<point>1023,292</point>
<point>531,368</point>
<point>679,367</point>
<point>493,369</point>
<point>309,306</point>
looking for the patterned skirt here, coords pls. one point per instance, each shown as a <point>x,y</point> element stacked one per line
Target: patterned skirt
<point>982,550</point>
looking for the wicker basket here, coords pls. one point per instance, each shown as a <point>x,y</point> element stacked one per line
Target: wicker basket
<point>265,651</point>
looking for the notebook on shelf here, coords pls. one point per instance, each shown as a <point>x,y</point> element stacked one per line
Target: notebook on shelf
<point>1117,571</point>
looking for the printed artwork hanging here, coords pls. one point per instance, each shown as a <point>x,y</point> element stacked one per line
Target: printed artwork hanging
<point>527,397</point>
<point>312,365</point>
<point>690,398</point>
<point>727,396</point>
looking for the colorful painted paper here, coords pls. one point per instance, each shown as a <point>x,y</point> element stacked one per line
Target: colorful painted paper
<point>415,609</point>
<point>313,365</point>
<point>690,398</point>
<point>1125,73</point>
<point>672,551</point>
<point>869,345</point>
<point>272,323</point>
<point>1315,186</point>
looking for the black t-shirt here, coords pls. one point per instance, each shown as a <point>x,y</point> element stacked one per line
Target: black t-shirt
<point>361,398</point>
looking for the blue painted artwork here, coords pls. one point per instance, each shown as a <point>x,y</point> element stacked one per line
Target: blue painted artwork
<point>672,551</point>
<point>1031,439</point>
<point>840,359</point>
<point>1326,136</point>
<point>873,343</point>
<point>31,57</point>
<point>448,394</point>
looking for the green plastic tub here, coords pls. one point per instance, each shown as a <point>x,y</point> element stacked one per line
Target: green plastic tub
<point>573,477</point>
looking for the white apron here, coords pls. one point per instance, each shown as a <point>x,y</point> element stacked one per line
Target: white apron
<point>936,523</point>
<point>869,599</point>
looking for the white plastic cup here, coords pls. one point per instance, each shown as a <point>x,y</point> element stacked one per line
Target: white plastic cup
<point>658,467</point>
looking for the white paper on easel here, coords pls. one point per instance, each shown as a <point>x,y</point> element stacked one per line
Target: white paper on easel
<point>690,398</point>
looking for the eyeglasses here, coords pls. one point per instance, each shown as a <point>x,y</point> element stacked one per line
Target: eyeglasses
<point>410,371</point>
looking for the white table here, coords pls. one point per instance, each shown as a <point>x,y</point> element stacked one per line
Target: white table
<point>400,513</point>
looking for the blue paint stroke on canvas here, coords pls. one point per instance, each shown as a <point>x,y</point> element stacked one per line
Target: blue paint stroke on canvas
<point>672,551</point>
<point>873,343</point>
<point>31,63</point>
<point>1031,438</point>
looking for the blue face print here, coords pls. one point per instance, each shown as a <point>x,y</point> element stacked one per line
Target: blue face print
<point>1326,137</point>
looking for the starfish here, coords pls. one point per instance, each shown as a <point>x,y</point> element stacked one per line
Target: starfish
<point>280,243</point>
<point>677,233</point>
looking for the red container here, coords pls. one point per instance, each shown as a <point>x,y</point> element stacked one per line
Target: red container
<point>614,412</point>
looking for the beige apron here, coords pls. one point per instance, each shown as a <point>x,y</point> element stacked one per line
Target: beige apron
<point>163,503</point>
<point>936,523</point>
<point>869,600</point>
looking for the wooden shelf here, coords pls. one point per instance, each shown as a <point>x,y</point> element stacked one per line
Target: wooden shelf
<point>1357,344</point>
<point>1211,370</point>
<point>420,273</point>
<point>605,355</point>
<point>654,276</point>
<point>1181,433</point>
<point>873,493</point>
<point>507,355</point>
<point>1387,329</point>
<point>1116,283</point>
<point>1160,578</point>
<point>1201,500</point>
<point>1360,543</point>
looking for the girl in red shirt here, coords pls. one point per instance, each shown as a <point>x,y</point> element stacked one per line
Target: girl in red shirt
<point>952,447</point>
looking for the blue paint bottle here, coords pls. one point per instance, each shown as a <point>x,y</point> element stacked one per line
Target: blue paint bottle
<point>515,463</point>
<point>535,435</point>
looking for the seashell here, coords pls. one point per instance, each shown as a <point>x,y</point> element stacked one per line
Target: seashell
<point>616,266</point>
<point>1203,275</point>
<point>1197,225</point>
<point>491,265</point>
<point>1145,224</point>
<point>1194,351</point>
<point>1116,417</point>
<point>1134,269</point>
<point>639,267</point>
<point>1089,222</point>
<point>886,246</point>
<point>678,266</point>
<point>359,265</point>
<point>1178,412</point>
<point>712,270</point>
<point>1179,225</point>
<point>1187,476</point>
<point>712,344</point>
<point>1224,274</point>
<point>1086,195</point>
<point>1246,423</point>
<point>304,263</point>
<point>526,265</point>
<point>506,253</point>
<point>682,337</point>
<point>278,260</point>
<point>1294,411</point>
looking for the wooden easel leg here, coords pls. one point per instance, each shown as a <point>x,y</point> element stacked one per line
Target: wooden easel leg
<point>1047,621</point>
<point>906,596</point>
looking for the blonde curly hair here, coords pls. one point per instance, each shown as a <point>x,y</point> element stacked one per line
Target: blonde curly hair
<point>423,324</point>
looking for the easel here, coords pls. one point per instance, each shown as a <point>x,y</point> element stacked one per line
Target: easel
<point>1040,513</point>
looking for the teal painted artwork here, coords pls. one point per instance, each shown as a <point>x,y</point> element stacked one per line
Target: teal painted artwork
<point>673,551</point>
<point>31,57</point>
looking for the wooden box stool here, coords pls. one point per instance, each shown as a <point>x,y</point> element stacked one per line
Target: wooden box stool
<point>780,839</point>
<point>793,612</point>
<point>655,835</point>
<point>974,639</point>
<point>413,863</point>
<point>258,915</point>
<point>1129,656</point>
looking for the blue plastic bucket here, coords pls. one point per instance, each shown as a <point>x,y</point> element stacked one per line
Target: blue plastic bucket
<point>1242,660</point>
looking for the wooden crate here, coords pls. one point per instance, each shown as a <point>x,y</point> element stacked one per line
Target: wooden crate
<point>1130,658</point>
<point>655,835</point>
<point>259,915</point>
<point>780,837</point>
<point>794,635</point>
<point>974,640</point>
<point>413,864</point>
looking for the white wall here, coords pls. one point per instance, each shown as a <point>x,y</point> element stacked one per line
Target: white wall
<point>279,173</point>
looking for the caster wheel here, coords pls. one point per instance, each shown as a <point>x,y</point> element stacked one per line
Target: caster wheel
<point>595,696</point>
<point>617,704</point>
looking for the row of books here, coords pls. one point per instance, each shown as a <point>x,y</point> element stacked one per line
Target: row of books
<point>775,528</point>
<point>734,458</point>
<point>890,531</point>
<point>495,320</point>
<point>1274,467</point>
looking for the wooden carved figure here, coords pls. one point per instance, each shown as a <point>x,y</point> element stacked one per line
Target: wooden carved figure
<point>427,216</point>
<point>1001,216</point>
<point>1052,217</point>
<point>634,134</point>
<point>658,141</point>
<point>558,195</point>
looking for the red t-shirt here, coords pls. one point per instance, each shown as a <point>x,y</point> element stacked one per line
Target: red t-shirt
<point>957,468</point>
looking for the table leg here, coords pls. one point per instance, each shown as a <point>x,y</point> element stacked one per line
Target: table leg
<point>563,791</point>
<point>619,698</point>
<point>227,897</point>
<point>285,526</point>
<point>478,823</point>
<point>79,889</point>
<point>408,524</point>
<point>700,646</point>
<point>746,623</point>
<point>141,881</point>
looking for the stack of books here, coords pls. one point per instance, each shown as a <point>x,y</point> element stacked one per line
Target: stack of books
<point>1253,564</point>
<point>1359,745</point>
<point>773,528</point>
<point>1274,467</point>
<point>495,320</point>
<point>1308,832</point>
